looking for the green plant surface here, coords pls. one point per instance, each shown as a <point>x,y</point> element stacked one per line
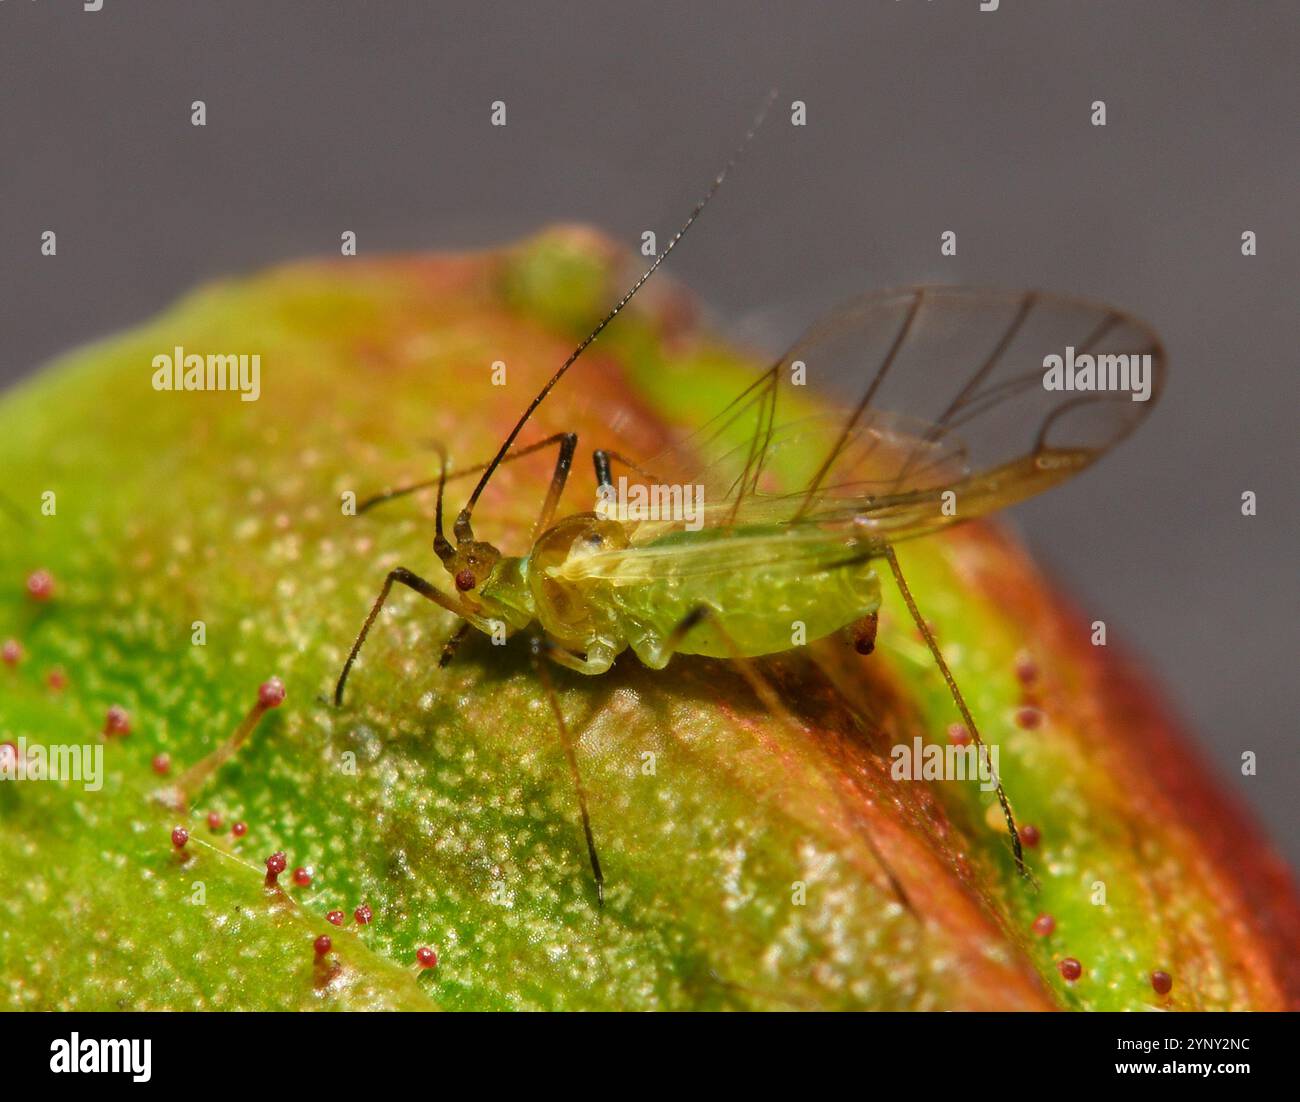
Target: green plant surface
<point>751,862</point>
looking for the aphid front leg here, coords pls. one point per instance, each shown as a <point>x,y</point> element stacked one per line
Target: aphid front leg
<point>411,581</point>
<point>540,646</point>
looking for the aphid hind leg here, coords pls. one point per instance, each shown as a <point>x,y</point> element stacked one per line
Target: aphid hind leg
<point>540,647</point>
<point>412,581</point>
<point>960,701</point>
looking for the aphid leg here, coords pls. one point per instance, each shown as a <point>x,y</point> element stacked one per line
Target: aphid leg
<point>402,491</point>
<point>453,643</point>
<point>960,701</point>
<point>765,692</point>
<point>541,645</point>
<point>411,581</point>
<point>601,459</point>
<point>563,464</point>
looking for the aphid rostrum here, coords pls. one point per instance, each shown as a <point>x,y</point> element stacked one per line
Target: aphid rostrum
<point>956,419</point>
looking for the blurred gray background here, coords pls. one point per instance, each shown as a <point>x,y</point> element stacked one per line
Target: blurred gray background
<point>922,117</point>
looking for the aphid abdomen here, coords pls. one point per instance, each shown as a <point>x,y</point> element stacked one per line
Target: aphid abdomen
<point>763,611</point>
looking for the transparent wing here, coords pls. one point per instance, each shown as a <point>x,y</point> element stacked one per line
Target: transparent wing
<point>990,396</point>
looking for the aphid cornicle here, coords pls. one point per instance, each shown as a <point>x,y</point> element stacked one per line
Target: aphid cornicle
<point>781,537</point>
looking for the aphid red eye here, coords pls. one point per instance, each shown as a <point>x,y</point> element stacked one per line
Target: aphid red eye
<point>465,580</point>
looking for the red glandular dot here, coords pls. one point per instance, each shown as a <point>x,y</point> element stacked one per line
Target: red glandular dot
<point>1026,668</point>
<point>1163,982</point>
<point>1028,718</point>
<point>161,764</point>
<point>270,694</point>
<point>56,679</point>
<point>1044,925</point>
<point>117,721</point>
<point>214,821</point>
<point>11,653</point>
<point>40,585</point>
<point>1071,969</point>
<point>179,837</point>
<point>302,877</point>
<point>275,864</point>
<point>363,914</point>
<point>239,829</point>
<point>958,735</point>
<point>1029,835</point>
<point>322,945</point>
<point>336,917</point>
<point>426,957</point>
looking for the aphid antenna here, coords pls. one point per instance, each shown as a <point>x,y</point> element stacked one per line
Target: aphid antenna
<point>462,528</point>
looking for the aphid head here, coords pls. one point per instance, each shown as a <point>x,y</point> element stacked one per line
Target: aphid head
<point>470,563</point>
